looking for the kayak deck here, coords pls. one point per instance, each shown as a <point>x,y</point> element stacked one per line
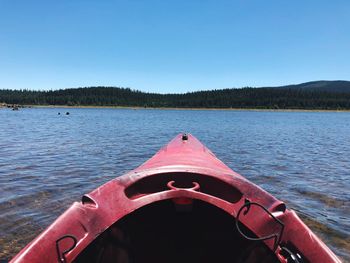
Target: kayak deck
<point>182,205</point>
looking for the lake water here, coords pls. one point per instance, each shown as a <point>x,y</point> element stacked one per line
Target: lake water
<point>47,160</point>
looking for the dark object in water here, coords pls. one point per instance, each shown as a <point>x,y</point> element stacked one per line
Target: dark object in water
<point>15,108</point>
<point>182,205</point>
<point>67,113</point>
<point>59,113</point>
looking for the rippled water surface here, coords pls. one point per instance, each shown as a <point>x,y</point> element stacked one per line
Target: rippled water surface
<point>47,160</point>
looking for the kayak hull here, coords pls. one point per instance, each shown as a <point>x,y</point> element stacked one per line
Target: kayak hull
<point>184,172</point>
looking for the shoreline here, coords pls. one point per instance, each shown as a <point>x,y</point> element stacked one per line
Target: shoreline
<point>172,108</point>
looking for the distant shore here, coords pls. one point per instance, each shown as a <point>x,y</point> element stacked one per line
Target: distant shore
<point>319,96</point>
<point>172,108</point>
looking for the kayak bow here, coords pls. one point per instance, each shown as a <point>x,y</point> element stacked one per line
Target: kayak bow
<point>182,205</point>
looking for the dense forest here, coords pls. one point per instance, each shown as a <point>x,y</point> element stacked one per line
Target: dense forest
<point>318,96</point>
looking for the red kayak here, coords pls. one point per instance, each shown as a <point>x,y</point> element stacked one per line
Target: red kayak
<point>182,205</point>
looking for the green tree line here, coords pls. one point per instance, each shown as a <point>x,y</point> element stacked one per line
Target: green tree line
<point>260,98</point>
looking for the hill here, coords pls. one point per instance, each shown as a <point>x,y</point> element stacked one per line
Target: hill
<point>310,95</point>
<point>340,86</point>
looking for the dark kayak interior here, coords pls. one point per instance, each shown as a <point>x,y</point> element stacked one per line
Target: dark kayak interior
<point>161,232</point>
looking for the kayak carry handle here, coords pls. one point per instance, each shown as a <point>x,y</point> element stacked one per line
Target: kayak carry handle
<point>183,203</point>
<point>277,237</point>
<point>62,254</point>
<point>195,187</point>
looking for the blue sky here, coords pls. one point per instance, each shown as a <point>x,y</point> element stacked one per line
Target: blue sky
<point>172,46</point>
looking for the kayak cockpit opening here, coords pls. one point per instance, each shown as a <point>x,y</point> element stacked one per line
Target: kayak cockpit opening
<point>160,233</point>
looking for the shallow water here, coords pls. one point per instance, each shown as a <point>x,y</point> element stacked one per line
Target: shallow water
<point>47,160</point>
